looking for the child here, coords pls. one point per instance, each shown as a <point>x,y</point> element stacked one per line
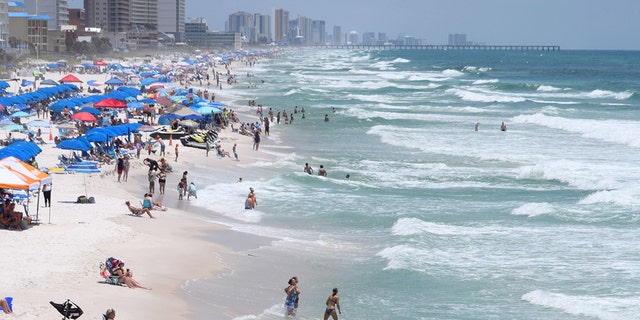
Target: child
<point>192,191</point>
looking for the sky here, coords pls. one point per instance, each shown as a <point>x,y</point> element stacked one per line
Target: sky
<point>571,24</point>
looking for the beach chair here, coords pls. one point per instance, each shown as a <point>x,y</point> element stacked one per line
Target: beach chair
<point>109,278</point>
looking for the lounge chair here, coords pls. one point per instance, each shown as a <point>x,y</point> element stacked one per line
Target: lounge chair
<point>68,309</point>
<point>108,277</point>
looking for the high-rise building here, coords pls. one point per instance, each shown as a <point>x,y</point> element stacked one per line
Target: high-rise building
<point>281,29</point>
<point>57,10</point>
<point>319,34</point>
<point>171,17</point>
<point>369,38</point>
<point>4,22</point>
<point>144,24</point>
<point>304,34</point>
<point>457,39</point>
<point>338,38</point>
<point>353,38</point>
<point>112,16</point>
<point>239,20</point>
<point>263,28</point>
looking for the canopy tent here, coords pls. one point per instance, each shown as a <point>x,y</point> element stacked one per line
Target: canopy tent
<point>48,82</point>
<point>30,172</point>
<point>10,179</point>
<point>70,78</point>
<point>27,170</point>
<point>114,82</point>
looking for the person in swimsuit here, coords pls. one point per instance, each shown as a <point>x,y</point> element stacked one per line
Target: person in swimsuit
<point>333,302</point>
<point>127,277</point>
<point>292,297</point>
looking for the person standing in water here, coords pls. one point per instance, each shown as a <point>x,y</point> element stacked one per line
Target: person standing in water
<point>333,302</point>
<point>308,169</point>
<point>503,127</point>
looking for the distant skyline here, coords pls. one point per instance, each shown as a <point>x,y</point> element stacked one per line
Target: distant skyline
<point>571,24</point>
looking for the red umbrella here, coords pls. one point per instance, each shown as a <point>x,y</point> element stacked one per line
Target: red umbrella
<point>110,103</point>
<point>84,116</point>
<point>100,63</point>
<point>70,78</point>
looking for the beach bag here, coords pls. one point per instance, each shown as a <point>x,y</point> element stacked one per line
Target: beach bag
<point>91,200</point>
<point>82,199</point>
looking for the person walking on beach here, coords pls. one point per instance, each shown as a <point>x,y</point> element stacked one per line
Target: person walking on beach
<point>152,181</point>
<point>120,166</point>
<point>235,153</point>
<point>162,146</point>
<point>333,302</point>
<point>256,140</point>
<point>308,169</point>
<point>208,144</point>
<point>176,151</point>
<point>46,192</point>
<point>182,186</point>
<point>162,181</point>
<point>322,171</point>
<point>125,170</point>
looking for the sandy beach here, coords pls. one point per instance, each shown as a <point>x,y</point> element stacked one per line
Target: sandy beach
<point>59,258</point>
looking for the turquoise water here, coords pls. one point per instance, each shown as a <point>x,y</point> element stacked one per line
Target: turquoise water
<point>438,221</point>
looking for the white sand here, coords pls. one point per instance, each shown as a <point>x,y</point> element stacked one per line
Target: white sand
<point>59,258</point>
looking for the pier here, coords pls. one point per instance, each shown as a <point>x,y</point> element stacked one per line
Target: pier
<point>441,47</point>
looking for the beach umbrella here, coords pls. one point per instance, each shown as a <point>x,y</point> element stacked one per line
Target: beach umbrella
<point>73,144</point>
<point>130,90</point>
<point>208,110</point>
<point>96,136</point>
<point>147,81</point>
<point>10,179</point>
<point>193,117</point>
<point>110,103</point>
<point>172,116</point>
<point>147,100</point>
<point>100,63</point>
<point>70,78</point>
<point>135,105</point>
<point>84,116</point>
<point>114,82</point>
<point>189,123</point>
<point>48,82</point>
<point>95,83</point>
<point>146,128</point>
<point>26,83</point>
<point>4,85</point>
<point>91,110</point>
<point>13,127</point>
<point>39,123</point>
<point>19,114</point>
<point>164,101</point>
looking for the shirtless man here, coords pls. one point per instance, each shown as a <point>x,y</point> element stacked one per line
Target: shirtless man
<point>322,171</point>
<point>333,302</point>
<point>308,168</point>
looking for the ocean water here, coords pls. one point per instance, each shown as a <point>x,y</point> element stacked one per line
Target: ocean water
<point>437,221</point>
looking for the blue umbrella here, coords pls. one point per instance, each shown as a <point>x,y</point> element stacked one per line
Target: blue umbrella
<point>114,82</point>
<point>172,116</point>
<point>193,117</point>
<point>19,114</point>
<point>94,83</point>
<point>91,110</point>
<point>147,100</point>
<point>135,105</point>
<point>73,144</point>
<point>208,110</point>
<point>38,123</point>
<point>96,136</point>
<point>147,81</point>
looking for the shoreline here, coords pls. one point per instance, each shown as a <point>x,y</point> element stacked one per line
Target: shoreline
<point>60,260</point>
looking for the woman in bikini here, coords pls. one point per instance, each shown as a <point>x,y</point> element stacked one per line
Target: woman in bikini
<point>333,302</point>
<point>127,277</point>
